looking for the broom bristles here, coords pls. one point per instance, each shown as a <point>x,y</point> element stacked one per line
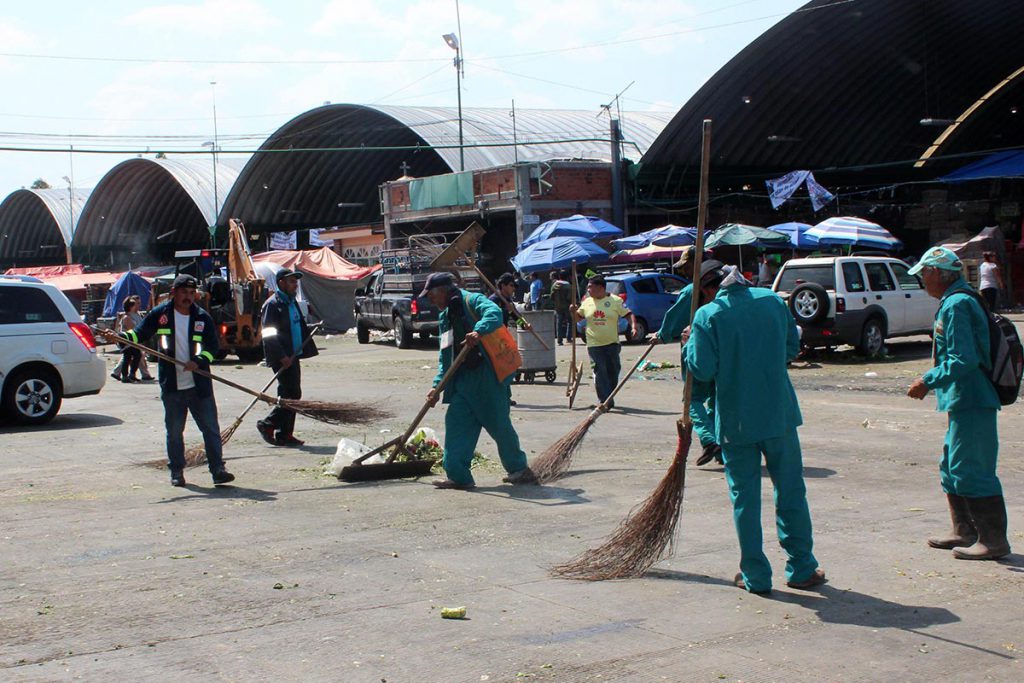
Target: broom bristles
<point>557,458</point>
<point>646,536</point>
<point>337,413</point>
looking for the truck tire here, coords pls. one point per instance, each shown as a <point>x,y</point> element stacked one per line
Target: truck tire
<point>403,335</point>
<point>253,355</point>
<point>872,337</point>
<point>32,396</point>
<point>362,332</point>
<point>641,332</point>
<point>808,303</point>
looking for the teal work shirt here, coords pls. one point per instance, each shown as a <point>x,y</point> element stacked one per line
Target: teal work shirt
<point>677,317</point>
<point>488,319</point>
<point>742,341</point>
<point>961,352</point>
<point>294,320</point>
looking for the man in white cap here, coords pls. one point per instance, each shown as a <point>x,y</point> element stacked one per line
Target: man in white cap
<point>963,389</point>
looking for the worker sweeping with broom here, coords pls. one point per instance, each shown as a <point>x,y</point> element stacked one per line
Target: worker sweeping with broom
<point>476,398</point>
<point>676,319</point>
<point>186,333</point>
<point>756,415</point>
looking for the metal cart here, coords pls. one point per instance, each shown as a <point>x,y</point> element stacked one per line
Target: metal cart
<point>537,359</point>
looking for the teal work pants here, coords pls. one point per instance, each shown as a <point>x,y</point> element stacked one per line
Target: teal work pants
<point>792,517</point>
<point>477,400</point>
<point>702,410</point>
<point>969,453</point>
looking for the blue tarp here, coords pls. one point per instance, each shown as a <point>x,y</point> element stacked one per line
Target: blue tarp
<point>127,285</point>
<point>590,227</point>
<point>998,165</point>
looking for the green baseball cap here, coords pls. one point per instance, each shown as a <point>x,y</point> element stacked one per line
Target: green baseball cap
<point>938,257</point>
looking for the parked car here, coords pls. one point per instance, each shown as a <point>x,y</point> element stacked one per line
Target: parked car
<point>392,302</point>
<point>648,295</point>
<point>47,353</point>
<point>860,300</point>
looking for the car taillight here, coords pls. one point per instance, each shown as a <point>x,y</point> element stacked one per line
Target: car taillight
<point>840,304</point>
<point>414,307</point>
<point>223,330</point>
<point>623,297</point>
<point>84,335</point>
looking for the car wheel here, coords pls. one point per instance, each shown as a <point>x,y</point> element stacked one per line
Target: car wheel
<point>33,396</point>
<point>362,332</point>
<point>641,332</point>
<point>872,338</point>
<point>403,337</point>
<point>253,355</point>
<point>220,355</point>
<point>808,303</point>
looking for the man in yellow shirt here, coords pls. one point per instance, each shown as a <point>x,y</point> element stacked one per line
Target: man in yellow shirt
<point>602,313</point>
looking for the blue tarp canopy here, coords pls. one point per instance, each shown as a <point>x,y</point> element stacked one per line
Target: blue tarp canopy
<point>798,236</point>
<point>127,285</point>
<point>999,165</point>
<point>590,227</point>
<point>557,253</point>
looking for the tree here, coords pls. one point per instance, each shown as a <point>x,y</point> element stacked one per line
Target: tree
<point>40,184</point>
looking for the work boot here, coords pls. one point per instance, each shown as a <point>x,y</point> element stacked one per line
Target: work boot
<point>267,431</point>
<point>222,477</point>
<point>963,533</point>
<point>523,476</point>
<point>711,452</point>
<point>290,441</point>
<point>177,478</point>
<point>989,515</point>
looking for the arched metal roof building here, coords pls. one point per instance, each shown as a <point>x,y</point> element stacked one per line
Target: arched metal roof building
<point>146,208</point>
<point>323,167</point>
<point>37,225</point>
<point>847,84</point>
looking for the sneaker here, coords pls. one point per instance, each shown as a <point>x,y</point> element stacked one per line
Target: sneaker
<point>147,378</point>
<point>177,478</point>
<point>267,432</point>
<point>290,441</point>
<point>740,583</point>
<point>523,476</point>
<point>711,452</point>
<point>816,579</point>
<point>115,376</point>
<point>449,484</point>
<point>223,477</point>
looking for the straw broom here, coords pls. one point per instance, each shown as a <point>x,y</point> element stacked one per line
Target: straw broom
<point>647,535</point>
<point>196,455</point>
<point>557,458</point>
<point>323,411</point>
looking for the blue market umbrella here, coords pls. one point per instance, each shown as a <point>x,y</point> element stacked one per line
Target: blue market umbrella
<point>798,237</point>
<point>666,236</point>
<point>590,227</point>
<point>854,232</point>
<point>557,253</point>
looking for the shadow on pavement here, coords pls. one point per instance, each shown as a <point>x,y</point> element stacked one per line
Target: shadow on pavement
<point>535,494</point>
<point>676,575</point>
<point>67,421</point>
<point>234,492</point>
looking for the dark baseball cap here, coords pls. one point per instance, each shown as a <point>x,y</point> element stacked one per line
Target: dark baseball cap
<point>711,273</point>
<point>288,272</point>
<point>438,280</point>
<point>185,280</point>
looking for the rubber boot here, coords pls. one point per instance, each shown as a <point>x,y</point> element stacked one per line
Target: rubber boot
<point>964,533</point>
<point>989,515</point>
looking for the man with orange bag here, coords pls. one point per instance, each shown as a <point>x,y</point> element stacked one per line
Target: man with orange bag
<point>476,398</point>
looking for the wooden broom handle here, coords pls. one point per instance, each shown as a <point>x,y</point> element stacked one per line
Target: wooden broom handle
<point>110,336</point>
<point>702,219</point>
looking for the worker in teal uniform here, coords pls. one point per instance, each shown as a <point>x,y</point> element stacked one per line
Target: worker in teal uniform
<point>756,414</point>
<point>676,319</point>
<point>963,389</point>
<point>475,397</point>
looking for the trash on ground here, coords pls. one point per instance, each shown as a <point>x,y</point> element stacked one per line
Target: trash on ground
<point>453,612</point>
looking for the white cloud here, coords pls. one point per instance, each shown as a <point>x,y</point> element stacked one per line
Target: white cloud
<point>212,18</point>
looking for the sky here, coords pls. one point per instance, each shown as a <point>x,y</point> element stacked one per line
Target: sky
<point>127,77</point>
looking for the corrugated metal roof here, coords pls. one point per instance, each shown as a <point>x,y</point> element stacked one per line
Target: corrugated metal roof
<point>837,85</point>
<point>283,191</point>
<point>39,221</point>
<point>140,199</point>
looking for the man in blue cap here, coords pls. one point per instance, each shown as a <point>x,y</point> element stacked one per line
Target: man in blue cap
<point>185,332</point>
<point>284,334</point>
<point>476,399</point>
<point>756,414</point>
<point>963,389</point>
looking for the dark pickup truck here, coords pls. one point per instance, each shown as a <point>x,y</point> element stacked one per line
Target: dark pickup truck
<point>391,301</point>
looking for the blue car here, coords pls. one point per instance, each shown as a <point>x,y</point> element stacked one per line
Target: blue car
<point>648,295</point>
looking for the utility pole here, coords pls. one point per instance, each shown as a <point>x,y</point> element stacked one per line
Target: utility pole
<point>453,42</point>
<point>618,210</point>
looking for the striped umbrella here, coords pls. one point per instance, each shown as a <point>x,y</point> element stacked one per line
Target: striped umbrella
<point>854,232</point>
